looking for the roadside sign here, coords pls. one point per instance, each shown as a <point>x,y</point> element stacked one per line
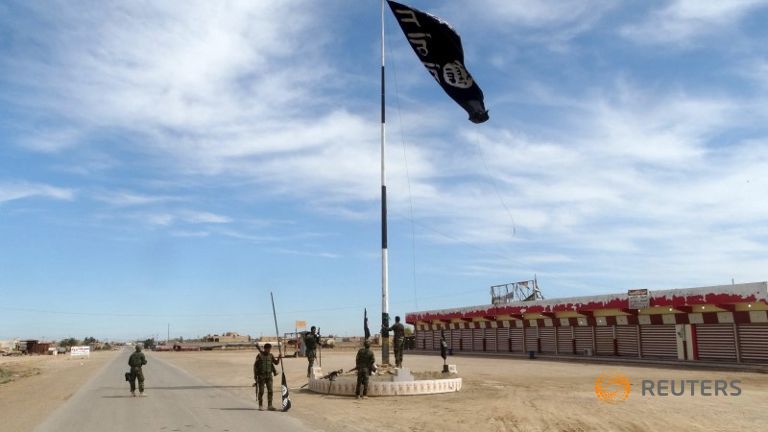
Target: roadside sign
<point>301,325</point>
<point>80,351</point>
<point>638,298</point>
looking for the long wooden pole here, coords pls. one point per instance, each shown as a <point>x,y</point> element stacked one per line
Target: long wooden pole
<point>284,398</point>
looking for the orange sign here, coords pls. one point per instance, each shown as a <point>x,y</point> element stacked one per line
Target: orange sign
<point>612,388</point>
<point>301,325</point>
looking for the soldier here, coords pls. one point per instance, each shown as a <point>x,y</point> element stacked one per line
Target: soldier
<point>136,361</point>
<point>399,331</point>
<point>311,341</point>
<point>263,371</point>
<point>444,351</point>
<point>365,363</point>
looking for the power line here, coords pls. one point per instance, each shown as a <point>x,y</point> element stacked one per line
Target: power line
<point>408,177</point>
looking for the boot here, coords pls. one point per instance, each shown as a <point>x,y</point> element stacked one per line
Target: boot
<point>271,408</point>
<point>133,393</point>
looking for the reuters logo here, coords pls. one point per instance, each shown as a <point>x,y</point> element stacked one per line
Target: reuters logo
<point>612,388</point>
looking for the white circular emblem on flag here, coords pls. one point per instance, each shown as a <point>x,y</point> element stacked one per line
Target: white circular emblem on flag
<point>456,75</point>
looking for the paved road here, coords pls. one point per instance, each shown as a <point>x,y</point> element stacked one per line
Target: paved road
<point>174,401</point>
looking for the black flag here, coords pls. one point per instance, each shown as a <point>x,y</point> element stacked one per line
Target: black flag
<point>284,392</point>
<point>365,324</point>
<point>439,48</point>
<point>284,384</point>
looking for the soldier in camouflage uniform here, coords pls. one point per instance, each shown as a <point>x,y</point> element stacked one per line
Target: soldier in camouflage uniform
<point>263,371</point>
<point>399,331</point>
<point>311,341</point>
<point>365,363</point>
<point>136,361</point>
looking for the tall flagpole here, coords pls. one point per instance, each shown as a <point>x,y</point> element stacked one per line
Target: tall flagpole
<point>384,261</point>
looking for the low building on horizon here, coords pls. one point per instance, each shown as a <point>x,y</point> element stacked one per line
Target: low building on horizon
<point>724,323</point>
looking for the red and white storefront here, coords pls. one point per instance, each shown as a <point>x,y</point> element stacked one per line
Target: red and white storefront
<point>727,323</point>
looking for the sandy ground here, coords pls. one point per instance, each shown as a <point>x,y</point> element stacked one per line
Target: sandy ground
<point>501,394</point>
<point>40,384</point>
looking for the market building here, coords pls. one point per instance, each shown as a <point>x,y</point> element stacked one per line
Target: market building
<point>725,323</point>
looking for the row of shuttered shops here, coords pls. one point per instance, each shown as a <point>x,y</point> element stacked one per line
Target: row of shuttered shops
<point>726,342</point>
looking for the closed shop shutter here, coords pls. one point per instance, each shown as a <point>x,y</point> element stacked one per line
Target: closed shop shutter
<point>659,341</point>
<point>604,340</point>
<point>477,339</point>
<point>466,339</point>
<point>436,341</point>
<point>583,336</point>
<point>547,336</point>
<point>564,340</point>
<point>502,339</point>
<point>753,342</point>
<point>516,337</point>
<point>532,339</point>
<point>490,339</point>
<point>626,339</point>
<point>429,334</point>
<point>455,339</point>
<point>716,342</point>
<point>420,335</point>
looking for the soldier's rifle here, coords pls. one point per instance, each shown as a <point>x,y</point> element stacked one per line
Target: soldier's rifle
<point>320,343</point>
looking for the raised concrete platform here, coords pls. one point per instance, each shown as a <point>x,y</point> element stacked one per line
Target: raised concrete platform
<point>400,384</point>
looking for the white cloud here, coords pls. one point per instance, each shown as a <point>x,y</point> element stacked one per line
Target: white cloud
<point>682,20</point>
<point>10,191</point>
<point>551,24</point>
<point>192,234</point>
<point>170,218</point>
<point>204,217</point>
<point>51,140</point>
<point>126,199</point>
<point>632,181</point>
<point>532,13</point>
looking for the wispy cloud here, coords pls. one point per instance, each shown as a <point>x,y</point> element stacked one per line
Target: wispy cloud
<point>683,20</point>
<point>169,218</point>
<point>620,177</point>
<point>309,253</point>
<point>191,234</point>
<point>127,199</point>
<point>10,191</point>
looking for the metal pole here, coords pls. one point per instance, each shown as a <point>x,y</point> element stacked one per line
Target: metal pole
<point>384,262</point>
<point>277,332</point>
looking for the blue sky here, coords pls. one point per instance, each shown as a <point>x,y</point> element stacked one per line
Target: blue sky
<point>174,162</point>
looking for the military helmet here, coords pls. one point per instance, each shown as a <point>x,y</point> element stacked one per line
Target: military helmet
<point>367,344</point>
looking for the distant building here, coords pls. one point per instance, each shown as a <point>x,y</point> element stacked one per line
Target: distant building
<point>726,323</point>
<point>8,345</point>
<point>228,337</point>
<point>33,346</point>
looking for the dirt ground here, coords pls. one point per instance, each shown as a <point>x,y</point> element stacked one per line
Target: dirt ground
<point>502,394</point>
<point>34,386</point>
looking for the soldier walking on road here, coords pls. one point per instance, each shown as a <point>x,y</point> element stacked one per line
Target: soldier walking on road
<point>365,363</point>
<point>311,341</point>
<point>263,371</point>
<point>399,331</point>
<point>136,361</point>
